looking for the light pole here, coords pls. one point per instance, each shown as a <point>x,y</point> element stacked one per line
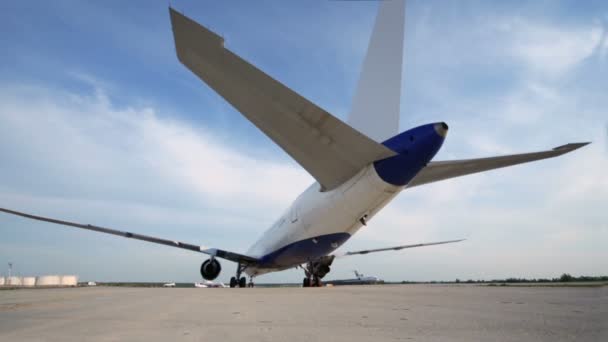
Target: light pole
<point>10,269</point>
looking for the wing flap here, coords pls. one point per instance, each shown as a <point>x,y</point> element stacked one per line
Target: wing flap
<point>236,257</point>
<point>440,170</point>
<point>330,150</point>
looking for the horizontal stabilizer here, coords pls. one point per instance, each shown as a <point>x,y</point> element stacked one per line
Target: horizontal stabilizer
<point>330,150</point>
<point>440,170</point>
<point>395,248</point>
<point>244,259</point>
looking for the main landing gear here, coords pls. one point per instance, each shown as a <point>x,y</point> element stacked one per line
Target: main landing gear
<point>239,281</point>
<point>315,271</point>
<point>312,281</point>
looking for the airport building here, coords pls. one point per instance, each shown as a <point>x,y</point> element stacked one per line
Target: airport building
<point>28,281</point>
<point>13,281</point>
<point>69,280</point>
<point>40,281</point>
<point>48,280</point>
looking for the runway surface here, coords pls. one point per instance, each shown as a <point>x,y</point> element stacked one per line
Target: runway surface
<point>347,313</point>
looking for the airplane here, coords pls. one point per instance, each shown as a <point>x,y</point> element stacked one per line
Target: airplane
<point>360,279</point>
<point>169,285</point>
<point>359,166</point>
<point>208,283</point>
<point>363,278</point>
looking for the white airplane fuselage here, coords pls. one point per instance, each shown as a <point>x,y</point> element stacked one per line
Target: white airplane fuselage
<point>323,221</point>
<point>318,222</point>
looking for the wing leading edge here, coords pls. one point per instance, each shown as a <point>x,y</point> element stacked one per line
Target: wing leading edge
<point>236,257</point>
<point>440,170</point>
<point>330,150</point>
<point>395,248</point>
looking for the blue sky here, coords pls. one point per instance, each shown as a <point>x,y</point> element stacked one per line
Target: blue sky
<point>99,123</point>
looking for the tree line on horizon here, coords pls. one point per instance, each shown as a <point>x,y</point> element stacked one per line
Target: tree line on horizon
<point>564,278</point>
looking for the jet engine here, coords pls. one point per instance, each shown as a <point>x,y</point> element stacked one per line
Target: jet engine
<point>210,269</point>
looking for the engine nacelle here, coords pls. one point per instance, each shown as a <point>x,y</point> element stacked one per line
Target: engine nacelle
<point>210,269</point>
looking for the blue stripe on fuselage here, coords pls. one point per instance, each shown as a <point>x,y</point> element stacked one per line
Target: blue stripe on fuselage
<point>302,251</point>
<point>415,148</point>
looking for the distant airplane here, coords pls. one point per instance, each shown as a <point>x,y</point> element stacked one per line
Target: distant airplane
<point>208,283</point>
<point>169,285</point>
<point>356,175</point>
<point>360,279</point>
<point>363,278</point>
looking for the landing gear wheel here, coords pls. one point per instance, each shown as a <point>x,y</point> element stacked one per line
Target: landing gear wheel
<point>250,284</point>
<point>306,282</point>
<point>242,282</point>
<point>233,282</point>
<point>316,270</point>
<point>316,282</point>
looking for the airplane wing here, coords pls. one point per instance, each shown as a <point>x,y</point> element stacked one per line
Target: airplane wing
<point>236,257</point>
<point>396,248</point>
<point>330,150</point>
<point>440,170</point>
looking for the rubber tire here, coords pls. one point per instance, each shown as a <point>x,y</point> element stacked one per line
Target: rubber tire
<point>316,283</point>
<point>306,282</point>
<point>233,282</point>
<point>243,282</point>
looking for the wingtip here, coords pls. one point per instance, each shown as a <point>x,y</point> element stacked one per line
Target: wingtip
<point>571,146</point>
<point>173,13</point>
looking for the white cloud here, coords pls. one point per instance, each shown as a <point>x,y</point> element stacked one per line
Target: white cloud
<point>535,220</point>
<point>82,157</point>
<point>106,151</point>
<point>549,49</point>
<point>200,162</point>
<point>88,136</point>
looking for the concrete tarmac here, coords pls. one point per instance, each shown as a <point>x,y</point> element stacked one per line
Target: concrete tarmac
<point>345,313</point>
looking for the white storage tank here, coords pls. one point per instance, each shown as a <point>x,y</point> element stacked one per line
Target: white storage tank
<point>28,281</point>
<point>69,280</point>
<point>13,281</point>
<point>48,280</point>
<point>2,281</point>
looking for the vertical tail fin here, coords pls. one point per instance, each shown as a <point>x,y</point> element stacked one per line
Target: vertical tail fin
<point>376,104</point>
